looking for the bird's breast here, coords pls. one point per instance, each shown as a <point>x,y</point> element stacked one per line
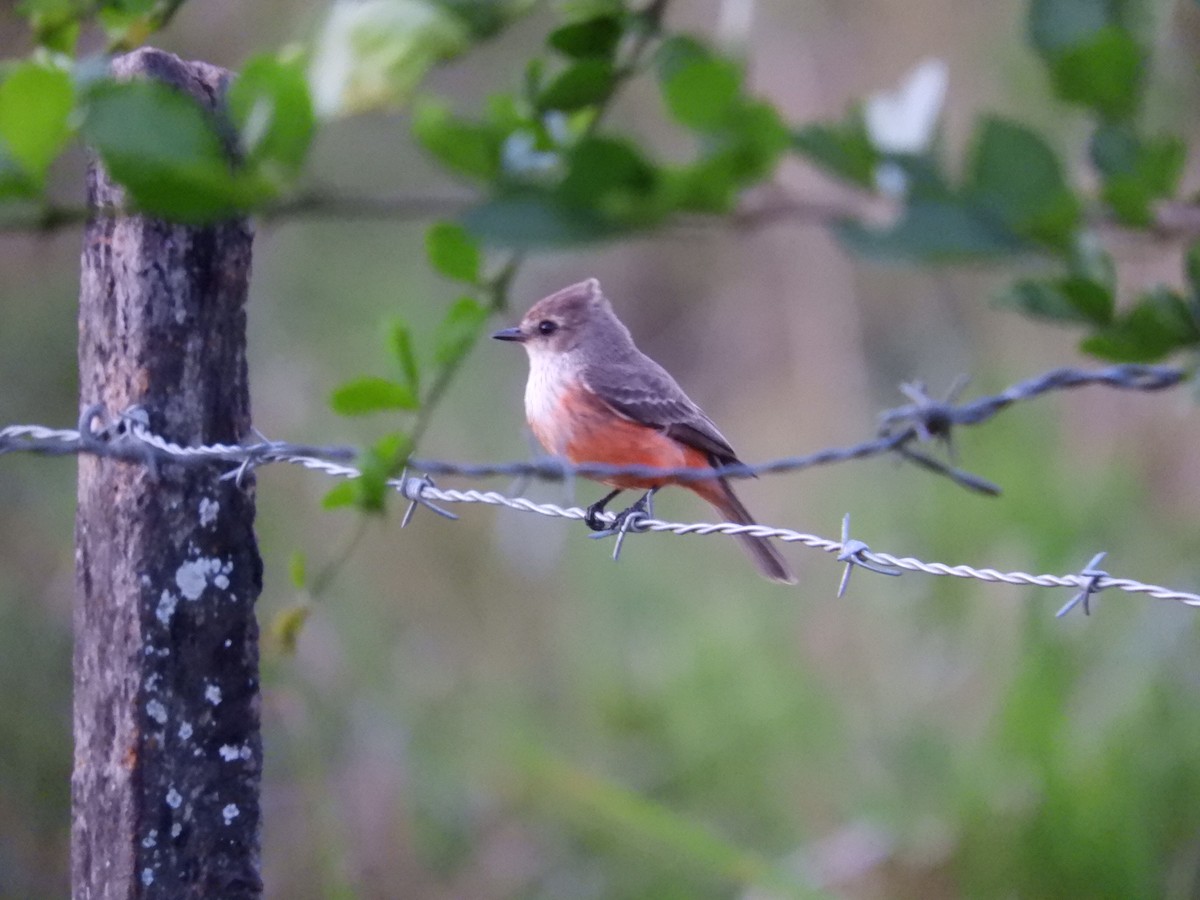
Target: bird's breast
<point>550,378</point>
<point>571,421</point>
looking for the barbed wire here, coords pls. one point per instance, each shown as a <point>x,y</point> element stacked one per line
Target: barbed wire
<point>1089,581</point>
<point>923,420</point>
<point>129,437</point>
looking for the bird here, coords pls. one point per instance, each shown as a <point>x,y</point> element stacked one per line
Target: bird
<point>594,398</point>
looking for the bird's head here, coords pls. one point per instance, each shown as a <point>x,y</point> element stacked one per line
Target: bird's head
<point>557,323</point>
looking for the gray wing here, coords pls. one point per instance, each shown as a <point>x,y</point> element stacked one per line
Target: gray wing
<point>642,390</point>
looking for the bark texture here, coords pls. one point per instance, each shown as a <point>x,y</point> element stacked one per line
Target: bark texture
<point>168,753</point>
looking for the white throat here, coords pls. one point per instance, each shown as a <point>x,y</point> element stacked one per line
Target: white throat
<point>550,372</point>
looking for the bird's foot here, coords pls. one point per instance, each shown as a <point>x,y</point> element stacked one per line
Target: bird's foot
<point>591,515</point>
<point>627,519</point>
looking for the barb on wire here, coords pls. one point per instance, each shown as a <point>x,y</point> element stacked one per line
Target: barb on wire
<point>413,488</point>
<point>1095,576</point>
<point>857,553</point>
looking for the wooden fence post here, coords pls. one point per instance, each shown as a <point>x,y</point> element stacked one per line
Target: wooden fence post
<point>168,754</point>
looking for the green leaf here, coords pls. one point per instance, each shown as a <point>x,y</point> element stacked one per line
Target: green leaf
<point>273,112</point>
<point>485,18</point>
<point>1015,175</point>
<point>745,151</point>
<point>14,183</point>
<point>1114,149</point>
<point>1105,74</point>
<point>844,149</point>
<point>505,113</point>
<point>35,105</point>
<point>61,37</point>
<point>459,330</point>
<point>1160,164</point>
<point>400,342</point>
<point>369,395</point>
<point>1093,300</point>
<point>380,462</point>
<point>32,9</point>
<point>1057,25</point>
<point>135,7</point>
<point>528,220</point>
<point>701,93</point>
<point>339,496</point>
<point>288,623</point>
<point>55,23</point>
<point>297,570</point>
<point>589,9</point>
<point>1071,299</point>
<point>163,147</point>
<point>1160,323</point>
<point>934,231</point>
<point>1088,259</point>
<point>707,186</point>
<point>583,83</point>
<point>756,138</point>
<point>927,180</point>
<point>453,252</point>
<point>1137,171</point>
<point>531,81</point>
<point>609,175</point>
<point>677,51</point>
<point>467,148</point>
<point>594,37</point>
<point>1038,298</point>
<point>127,25</point>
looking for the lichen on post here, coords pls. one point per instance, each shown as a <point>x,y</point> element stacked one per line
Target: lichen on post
<point>168,753</point>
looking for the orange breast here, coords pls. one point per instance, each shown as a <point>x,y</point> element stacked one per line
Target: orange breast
<point>585,430</point>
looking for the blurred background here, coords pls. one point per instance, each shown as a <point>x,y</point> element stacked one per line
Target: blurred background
<point>491,708</point>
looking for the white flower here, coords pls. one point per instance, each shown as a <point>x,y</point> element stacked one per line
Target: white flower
<point>904,120</point>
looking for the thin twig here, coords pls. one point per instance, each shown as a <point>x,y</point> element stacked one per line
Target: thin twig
<point>496,289</point>
<point>332,567</point>
<point>650,23</point>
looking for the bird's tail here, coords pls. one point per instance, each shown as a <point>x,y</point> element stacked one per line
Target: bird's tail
<point>763,553</point>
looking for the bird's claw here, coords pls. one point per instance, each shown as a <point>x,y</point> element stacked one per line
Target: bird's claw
<point>626,520</point>
<point>591,517</point>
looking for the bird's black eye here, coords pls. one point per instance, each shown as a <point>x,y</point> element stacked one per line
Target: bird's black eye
<point>547,326</point>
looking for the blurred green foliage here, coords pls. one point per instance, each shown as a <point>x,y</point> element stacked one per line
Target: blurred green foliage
<point>550,174</point>
<point>633,731</point>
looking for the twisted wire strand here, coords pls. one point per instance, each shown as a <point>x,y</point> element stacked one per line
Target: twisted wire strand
<point>419,489</point>
<point>922,420</point>
<point>130,438</point>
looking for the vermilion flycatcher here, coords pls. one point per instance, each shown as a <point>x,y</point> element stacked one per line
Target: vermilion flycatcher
<point>593,397</point>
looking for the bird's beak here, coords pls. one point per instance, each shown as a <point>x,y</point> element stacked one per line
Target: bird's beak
<point>510,334</point>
